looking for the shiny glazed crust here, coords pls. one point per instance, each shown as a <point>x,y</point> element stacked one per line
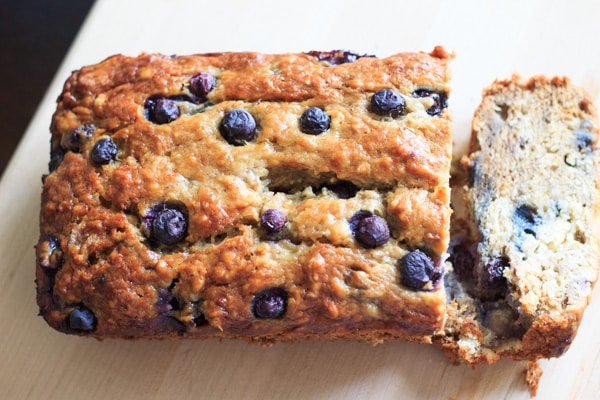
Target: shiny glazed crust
<point>524,275</point>
<point>99,272</point>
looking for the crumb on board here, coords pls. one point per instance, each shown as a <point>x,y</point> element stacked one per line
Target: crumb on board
<point>533,373</point>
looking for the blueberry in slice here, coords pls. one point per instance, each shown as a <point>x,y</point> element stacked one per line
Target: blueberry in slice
<point>272,221</point>
<point>238,127</point>
<point>201,84</point>
<point>82,319</point>
<point>464,257</point>
<point>370,230</point>
<point>169,226</point>
<point>104,151</point>
<point>526,219</point>
<point>388,103</point>
<point>269,303</point>
<point>314,121</point>
<point>440,101</point>
<point>585,137</point>
<point>493,274</point>
<point>417,270</point>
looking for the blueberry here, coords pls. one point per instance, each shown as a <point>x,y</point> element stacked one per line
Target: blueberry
<point>584,139</point>
<point>314,121</point>
<point>56,156</point>
<point>82,319</point>
<point>369,230</point>
<point>272,221</point>
<point>49,252</point>
<point>388,103</point>
<point>269,303</point>
<point>492,274</point>
<point>166,301</point>
<point>464,258</point>
<point>440,101</point>
<point>201,84</point>
<point>526,219</point>
<point>165,111</point>
<point>50,259</point>
<point>238,127</point>
<point>104,151</point>
<point>343,189</point>
<point>161,110</point>
<point>337,57</point>
<point>169,226</point>
<point>417,270</point>
<point>73,140</point>
<point>356,218</point>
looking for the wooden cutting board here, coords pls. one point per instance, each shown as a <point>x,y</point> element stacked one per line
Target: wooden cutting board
<point>492,39</point>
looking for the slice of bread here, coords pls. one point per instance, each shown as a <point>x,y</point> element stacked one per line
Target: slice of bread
<point>525,252</point>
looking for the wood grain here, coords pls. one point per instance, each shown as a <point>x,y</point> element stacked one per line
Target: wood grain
<point>492,39</point>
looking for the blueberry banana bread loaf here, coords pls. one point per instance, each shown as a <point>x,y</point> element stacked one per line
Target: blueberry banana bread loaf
<point>242,195</point>
<point>524,271</point>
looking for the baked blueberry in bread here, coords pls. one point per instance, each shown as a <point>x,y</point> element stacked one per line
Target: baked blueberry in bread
<point>243,195</point>
<point>524,272</point>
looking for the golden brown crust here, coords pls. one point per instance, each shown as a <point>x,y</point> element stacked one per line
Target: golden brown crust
<point>204,285</point>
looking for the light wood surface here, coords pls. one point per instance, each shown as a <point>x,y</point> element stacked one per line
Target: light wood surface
<point>492,39</point>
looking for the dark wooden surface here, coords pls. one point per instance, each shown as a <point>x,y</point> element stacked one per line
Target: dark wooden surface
<point>35,34</point>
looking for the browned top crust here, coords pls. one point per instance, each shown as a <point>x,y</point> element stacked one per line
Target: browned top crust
<point>100,270</point>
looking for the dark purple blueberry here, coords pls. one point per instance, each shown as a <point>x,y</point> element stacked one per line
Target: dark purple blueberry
<point>73,140</point>
<point>269,303</point>
<point>104,151</point>
<point>369,230</point>
<point>463,257</point>
<point>272,221</point>
<point>82,319</point>
<point>49,252</point>
<point>526,219</point>
<point>238,127</point>
<point>440,101</point>
<point>314,121</point>
<point>343,189</point>
<point>169,226</point>
<point>201,84</point>
<point>161,110</point>
<point>493,274</point>
<point>56,156</point>
<point>165,111</point>
<point>417,270</point>
<point>387,103</point>
<point>336,57</point>
<point>372,232</point>
<point>356,218</point>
